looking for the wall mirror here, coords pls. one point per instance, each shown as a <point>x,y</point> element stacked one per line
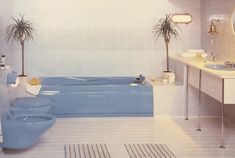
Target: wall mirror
<point>233,21</point>
<point>185,18</point>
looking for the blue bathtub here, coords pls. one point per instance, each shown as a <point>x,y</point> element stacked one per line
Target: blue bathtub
<point>97,96</point>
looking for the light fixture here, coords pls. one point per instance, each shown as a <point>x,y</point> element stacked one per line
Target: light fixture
<point>184,18</point>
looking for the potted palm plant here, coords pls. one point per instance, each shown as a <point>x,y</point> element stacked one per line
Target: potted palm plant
<point>166,28</point>
<point>20,31</point>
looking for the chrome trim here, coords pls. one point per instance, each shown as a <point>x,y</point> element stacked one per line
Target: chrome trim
<point>70,154</point>
<point>199,99</point>
<point>222,117</point>
<point>65,151</point>
<point>186,92</point>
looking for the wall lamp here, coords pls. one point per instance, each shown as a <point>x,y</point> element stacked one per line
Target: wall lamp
<point>184,18</point>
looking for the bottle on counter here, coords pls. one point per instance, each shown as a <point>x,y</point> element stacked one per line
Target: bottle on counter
<point>2,63</point>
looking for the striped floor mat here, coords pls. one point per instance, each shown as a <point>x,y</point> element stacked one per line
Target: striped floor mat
<point>86,151</point>
<point>149,151</point>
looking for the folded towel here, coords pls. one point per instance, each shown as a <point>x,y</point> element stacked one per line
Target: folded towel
<point>188,54</point>
<point>203,55</point>
<point>195,50</point>
<point>11,78</point>
<point>33,89</point>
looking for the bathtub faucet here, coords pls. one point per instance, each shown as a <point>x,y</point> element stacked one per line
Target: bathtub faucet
<point>141,79</point>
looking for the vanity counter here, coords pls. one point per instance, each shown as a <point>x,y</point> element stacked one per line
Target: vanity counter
<point>200,64</point>
<point>218,84</point>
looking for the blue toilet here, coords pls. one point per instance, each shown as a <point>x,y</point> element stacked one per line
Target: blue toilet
<point>30,105</point>
<point>22,131</point>
<point>25,121</point>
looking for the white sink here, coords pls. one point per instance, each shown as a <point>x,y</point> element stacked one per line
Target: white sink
<point>221,67</point>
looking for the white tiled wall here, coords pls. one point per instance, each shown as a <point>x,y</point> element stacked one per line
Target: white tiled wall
<point>168,100</point>
<point>101,38</point>
<point>5,13</point>
<point>224,40</point>
<point>112,38</point>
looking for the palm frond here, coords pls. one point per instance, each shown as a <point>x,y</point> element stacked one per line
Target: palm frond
<point>19,29</point>
<point>165,28</point>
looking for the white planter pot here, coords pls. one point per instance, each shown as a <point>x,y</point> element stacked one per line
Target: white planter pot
<point>168,77</point>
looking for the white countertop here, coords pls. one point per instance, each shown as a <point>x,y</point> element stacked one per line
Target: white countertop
<point>199,64</point>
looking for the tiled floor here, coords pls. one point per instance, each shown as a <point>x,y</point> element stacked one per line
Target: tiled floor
<point>179,135</point>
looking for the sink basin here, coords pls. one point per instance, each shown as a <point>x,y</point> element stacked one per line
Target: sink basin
<point>221,67</point>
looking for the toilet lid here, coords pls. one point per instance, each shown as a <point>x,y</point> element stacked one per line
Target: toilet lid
<point>30,102</point>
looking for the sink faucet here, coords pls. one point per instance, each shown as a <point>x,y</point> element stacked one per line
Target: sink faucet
<point>229,63</point>
<point>213,31</point>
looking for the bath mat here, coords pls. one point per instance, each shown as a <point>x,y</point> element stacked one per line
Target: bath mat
<point>149,151</point>
<point>86,151</point>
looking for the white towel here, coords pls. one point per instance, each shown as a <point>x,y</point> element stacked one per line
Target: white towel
<point>195,50</point>
<point>33,89</point>
<point>188,55</point>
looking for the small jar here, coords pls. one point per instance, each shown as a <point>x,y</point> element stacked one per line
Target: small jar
<point>3,58</point>
<point>2,67</point>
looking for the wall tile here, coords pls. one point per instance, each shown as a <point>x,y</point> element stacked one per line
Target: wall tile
<point>224,40</point>
<point>72,35</point>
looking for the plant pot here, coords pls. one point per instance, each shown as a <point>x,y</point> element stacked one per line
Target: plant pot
<point>153,78</point>
<point>168,77</point>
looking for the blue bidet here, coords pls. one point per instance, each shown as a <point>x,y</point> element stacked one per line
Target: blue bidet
<point>30,105</point>
<point>21,131</point>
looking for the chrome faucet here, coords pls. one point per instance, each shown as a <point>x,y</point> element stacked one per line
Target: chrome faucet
<point>213,31</point>
<point>141,79</point>
<point>229,64</point>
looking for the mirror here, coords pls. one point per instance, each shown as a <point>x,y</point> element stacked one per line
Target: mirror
<point>233,21</point>
<point>185,18</point>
